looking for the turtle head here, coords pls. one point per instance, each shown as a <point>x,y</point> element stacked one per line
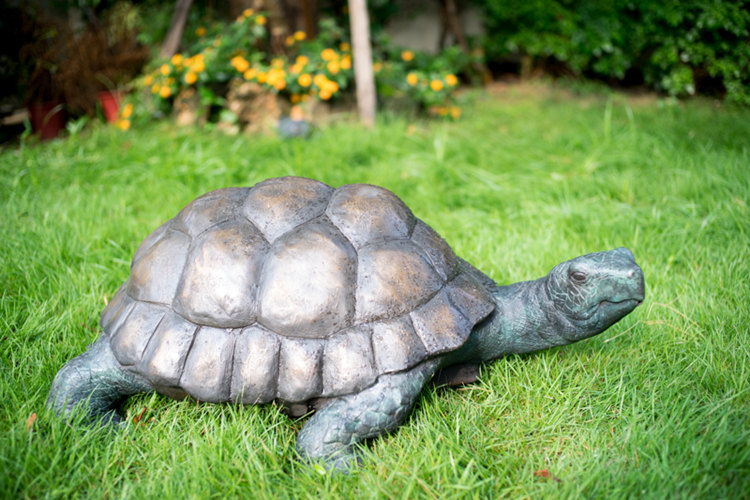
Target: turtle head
<point>592,292</point>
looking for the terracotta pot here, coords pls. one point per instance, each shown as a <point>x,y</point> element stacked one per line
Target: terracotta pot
<point>47,118</point>
<point>110,101</point>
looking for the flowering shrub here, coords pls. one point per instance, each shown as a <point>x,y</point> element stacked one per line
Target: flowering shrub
<point>319,68</point>
<point>123,120</point>
<point>210,60</point>
<point>310,70</point>
<point>428,80</point>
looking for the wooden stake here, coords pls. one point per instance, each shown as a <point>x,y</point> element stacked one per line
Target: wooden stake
<point>362,54</point>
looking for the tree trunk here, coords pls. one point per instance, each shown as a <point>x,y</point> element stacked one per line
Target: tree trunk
<point>362,53</point>
<point>174,35</point>
<point>452,21</point>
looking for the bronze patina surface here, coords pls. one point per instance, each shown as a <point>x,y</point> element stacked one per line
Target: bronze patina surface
<point>335,299</point>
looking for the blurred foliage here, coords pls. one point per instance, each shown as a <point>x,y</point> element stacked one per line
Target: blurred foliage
<point>216,53</point>
<point>427,79</point>
<point>67,61</point>
<point>678,47</point>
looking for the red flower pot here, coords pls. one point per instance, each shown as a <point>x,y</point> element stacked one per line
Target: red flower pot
<point>47,118</point>
<point>110,102</point>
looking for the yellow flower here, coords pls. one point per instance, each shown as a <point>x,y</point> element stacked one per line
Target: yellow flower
<point>165,92</point>
<point>122,124</point>
<point>344,47</point>
<point>262,76</point>
<point>197,66</point>
<point>277,62</point>
<point>240,64</point>
<point>276,78</point>
<point>200,31</point>
<point>148,80</point>
<point>304,80</point>
<point>289,41</point>
<point>436,85</point>
<point>455,112</point>
<point>248,12</point>
<point>324,94</point>
<point>451,80</point>
<point>260,20</point>
<point>331,86</point>
<point>155,88</point>
<point>407,55</point>
<point>346,62</point>
<point>333,67</point>
<point>294,98</point>
<point>296,69</point>
<point>165,69</point>
<point>320,80</point>
<point>127,110</point>
<point>376,67</point>
<point>191,77</point>
<point>299,35</point>
<point>328,54</point>
<point>250,74</point>
<point>177,59</point>
<point>412,79</point>
<point>302,60</point>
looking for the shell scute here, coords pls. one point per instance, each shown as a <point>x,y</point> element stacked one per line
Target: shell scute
<point>307,287</point>
<point>473,300</point>
<point>114,309</point>
<point>438,251</point>
<point>209,210</point>
<point>155,275</point>
<point>392,279</point>
<point>220,281</point>
<point>276,206</point>
<point>299,369</point>
<point>369,214</point>
<point>131,338</point>
<point>207,372</point>
<point>256,366</point>
<point>348,364</point>
<point>396,345</point>
<point>152,238</point>
<point>164,358</point>
<point>440,326</point>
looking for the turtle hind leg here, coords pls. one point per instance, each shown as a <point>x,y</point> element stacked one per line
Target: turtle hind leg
<point>94,382</point>
<point>333,433</point>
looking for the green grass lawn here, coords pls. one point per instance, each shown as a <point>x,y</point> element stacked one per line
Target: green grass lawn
<point>657,406</point>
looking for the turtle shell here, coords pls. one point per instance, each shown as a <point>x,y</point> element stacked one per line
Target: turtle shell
<point>290,290</point>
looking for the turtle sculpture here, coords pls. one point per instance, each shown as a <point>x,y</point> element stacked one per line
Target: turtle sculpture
<point>338,300</point>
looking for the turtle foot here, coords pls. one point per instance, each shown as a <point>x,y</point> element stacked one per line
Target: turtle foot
<point>94,383</point>
<point>334,433</point>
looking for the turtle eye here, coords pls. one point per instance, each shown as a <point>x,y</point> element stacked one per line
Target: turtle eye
<point>578,276</point>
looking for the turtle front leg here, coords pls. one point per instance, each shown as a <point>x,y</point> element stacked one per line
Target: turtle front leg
<point>95,382</point>
<point>333,432</point>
